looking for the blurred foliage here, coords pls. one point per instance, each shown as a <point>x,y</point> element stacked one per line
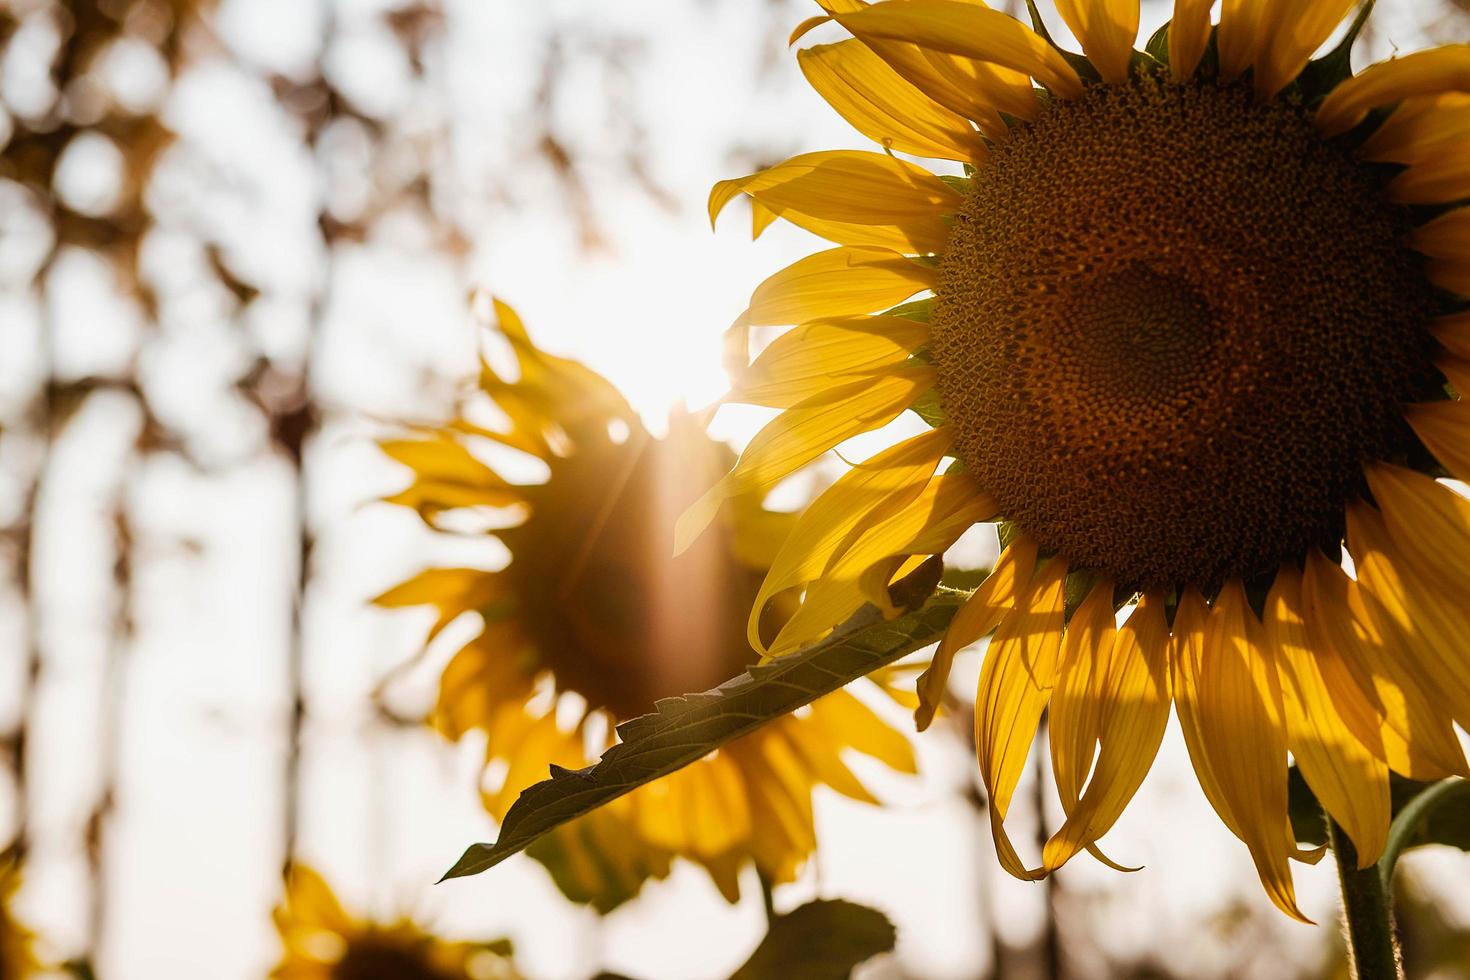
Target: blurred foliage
<point>822,940</point>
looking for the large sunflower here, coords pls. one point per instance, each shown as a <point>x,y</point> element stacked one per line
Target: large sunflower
<point>1194,332</point>
<point>592,621</point>
<point>323,942</point>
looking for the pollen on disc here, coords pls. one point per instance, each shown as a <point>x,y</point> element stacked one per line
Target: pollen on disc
<point>1171,324</point>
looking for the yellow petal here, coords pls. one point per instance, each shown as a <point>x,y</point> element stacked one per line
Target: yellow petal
<point>1429,523</point>
<point>1433,622</point>
<point>846,721</point>
<point>865,495</point>
<point>1242,34</point>
<point>976,90</point>
<point>446,476</point>
<point>482,680</point>
<point>837,282</point>
<point>1423,73</point>
<point>980,614</point>
<point>883,106</point>
<point>312,903</point>
<point>452,591</point>
<point>852,197</point>
<point>801,434</point>
<point>947,506</point>
<point>1419,128</point>
<point>1414,734</point>
<point>1106,30</point>
<point>1229,698</point>
<point>1295,32</point>
<point>1189,35</point>
<point>1446,237</point>
<point>1076,709</point>
<point>1444,428</point>
<point>1016,682</point>
<point>1453,332</point>
<point>1348,778</point>
<point>1442,177</point>
<point>1132,711</point>
<point>820,756</point>
<point>970,31</point>
<point>1457,373</point>
<point>822,354</point>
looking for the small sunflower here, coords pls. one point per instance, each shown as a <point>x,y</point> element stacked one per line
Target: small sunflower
<point>17,953</point>
<point>1195,337</point>
<point>323,942</point>
<point>593,621</point>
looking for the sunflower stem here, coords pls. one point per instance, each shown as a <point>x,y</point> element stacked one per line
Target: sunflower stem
<point>1367,917</point>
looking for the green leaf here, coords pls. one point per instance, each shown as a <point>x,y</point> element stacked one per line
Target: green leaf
<point>684,729</point>
<point>1446,822</point>
<point>1437,814</point>
<point>822,940</point>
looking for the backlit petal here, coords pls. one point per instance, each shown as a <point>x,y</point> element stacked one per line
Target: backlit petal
<point>1415,735</point>
<point>1132,710</point>
<point>970,31</point>
<point>1106,30</point>
<point>883,106</point>
<point>1432,72</point>
<point>1189,35</point>
<point>1433,622</point>
<point>1016,683</point>
<point>823,354</point>
<point>980,614</point>
<point>865,495</point>
<point>801,434</point>
<point>1444,427</point>
<point>1349,780</point>
<point>1230,708</point>
<point>837,282</point>
<point>929,524</point>
<point>853,197</point>
<point>1297,29</point>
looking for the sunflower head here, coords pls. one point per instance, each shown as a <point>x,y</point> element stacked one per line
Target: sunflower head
<point>1191,326</point>
<point>323,942</point>
<point>595,616</point>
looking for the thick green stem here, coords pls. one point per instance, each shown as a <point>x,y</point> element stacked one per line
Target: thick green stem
<point>1366,913</point>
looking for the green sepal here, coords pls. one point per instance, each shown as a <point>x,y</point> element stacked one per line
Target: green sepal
<point>1157,47</point>
<point>928,408</point>
<point>1327,72</point>
<point>918,310</point>
<point>961,185</point>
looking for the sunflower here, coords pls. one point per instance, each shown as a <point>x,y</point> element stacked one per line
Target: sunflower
<point>1193,331</point>
<point>593,621</point>
<point>323,942</point>
<point>17,956</point>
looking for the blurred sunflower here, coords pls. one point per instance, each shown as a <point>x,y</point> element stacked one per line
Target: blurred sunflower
<point>1196,328</point>
<point>17,955</point>
<point>593,621</point>
<point>323,942</point>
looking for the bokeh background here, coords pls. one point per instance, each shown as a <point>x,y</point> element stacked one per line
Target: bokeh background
<point>240,238</point>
